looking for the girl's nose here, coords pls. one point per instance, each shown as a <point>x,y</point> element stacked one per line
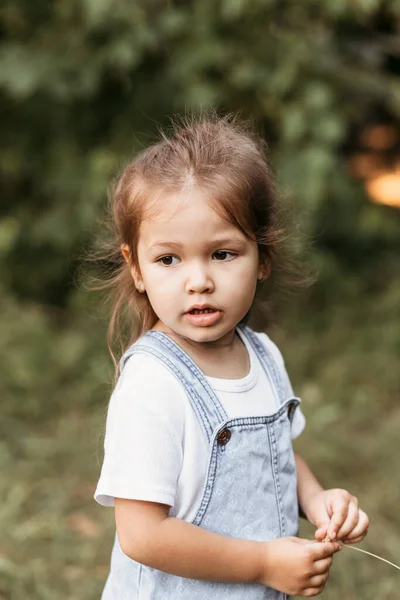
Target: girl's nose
<point>199,280</point>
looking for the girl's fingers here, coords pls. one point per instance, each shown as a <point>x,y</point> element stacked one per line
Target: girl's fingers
<point>350,523</point>
<point>322,566</point>
<point>354,540</point>
<point>340,510</point>
<point>360,529</point>
<point>355,537</point>
<point>321,533</point>
<point>323,550</point>
<point>310,592</point>
<point>338,518</point>
<point>318,580</point>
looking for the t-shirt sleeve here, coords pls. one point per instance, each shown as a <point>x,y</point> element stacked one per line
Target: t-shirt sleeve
<point>143,446</point>
<point>298,421</point>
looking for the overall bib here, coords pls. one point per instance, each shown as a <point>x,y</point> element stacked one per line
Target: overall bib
<point>250,487</point>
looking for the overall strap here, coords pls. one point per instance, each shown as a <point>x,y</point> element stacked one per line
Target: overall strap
<point>268,361</point>
<point>204,402</point>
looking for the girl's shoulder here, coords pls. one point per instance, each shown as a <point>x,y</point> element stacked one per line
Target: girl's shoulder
<point>269,344</point>
<point>146,393</point>
<point>145,372</point>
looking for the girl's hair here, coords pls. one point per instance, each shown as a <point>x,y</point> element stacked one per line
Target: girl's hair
<point>226,159</point>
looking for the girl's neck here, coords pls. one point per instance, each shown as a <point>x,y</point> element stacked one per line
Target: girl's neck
<point>226,358</point>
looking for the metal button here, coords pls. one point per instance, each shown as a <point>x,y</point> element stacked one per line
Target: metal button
<point>223,437</point>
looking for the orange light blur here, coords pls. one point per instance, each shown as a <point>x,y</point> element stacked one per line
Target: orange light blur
<point>385,189</point>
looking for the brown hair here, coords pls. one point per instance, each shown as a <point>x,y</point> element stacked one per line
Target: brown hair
<point>221,155</point>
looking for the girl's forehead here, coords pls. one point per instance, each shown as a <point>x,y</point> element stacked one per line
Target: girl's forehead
<point>188,206</point>
<point>184,215</point>
<point>164,204</point>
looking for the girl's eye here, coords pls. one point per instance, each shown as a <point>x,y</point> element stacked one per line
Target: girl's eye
<point>223,255</point>
<point>168,261</point>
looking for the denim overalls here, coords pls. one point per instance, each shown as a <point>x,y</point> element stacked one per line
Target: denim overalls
<point>250,487</point>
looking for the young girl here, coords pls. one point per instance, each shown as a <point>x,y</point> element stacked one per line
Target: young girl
<point>198,455</point>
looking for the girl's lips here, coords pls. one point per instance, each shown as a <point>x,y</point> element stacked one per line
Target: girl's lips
<point>205,319</point>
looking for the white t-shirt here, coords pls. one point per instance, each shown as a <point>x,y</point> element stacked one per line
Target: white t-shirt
<point>155,448</point>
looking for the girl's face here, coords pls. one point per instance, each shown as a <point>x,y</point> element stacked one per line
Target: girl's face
<point>199,271</point>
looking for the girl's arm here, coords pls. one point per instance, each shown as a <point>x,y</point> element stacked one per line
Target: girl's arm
<point>307,485</point>
<point>148,535</point>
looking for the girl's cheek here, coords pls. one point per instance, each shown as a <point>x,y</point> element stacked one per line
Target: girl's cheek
<point>161,275</point>
<point>247,270</point>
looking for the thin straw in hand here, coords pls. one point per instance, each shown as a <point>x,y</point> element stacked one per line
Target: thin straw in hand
<point>370,553</point>
<point>327,539</point>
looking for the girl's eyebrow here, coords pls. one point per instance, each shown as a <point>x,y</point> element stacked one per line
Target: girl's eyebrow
<point>157,245</point>
<point>226,241</point>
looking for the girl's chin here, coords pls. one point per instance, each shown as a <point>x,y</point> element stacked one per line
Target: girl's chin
<point>209,334</point>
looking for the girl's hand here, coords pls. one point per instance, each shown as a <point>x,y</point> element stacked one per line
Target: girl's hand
<point>337,516</point>
<point>295,566</point>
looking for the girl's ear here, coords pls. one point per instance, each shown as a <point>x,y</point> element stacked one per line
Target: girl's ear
<point>126,253</point>
<point>264,270</point>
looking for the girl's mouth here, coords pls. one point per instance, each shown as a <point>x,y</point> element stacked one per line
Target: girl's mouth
<point>202,311</point>
<point>203,317</point>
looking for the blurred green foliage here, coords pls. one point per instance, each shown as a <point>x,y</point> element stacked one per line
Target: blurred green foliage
<point>84,86</point>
